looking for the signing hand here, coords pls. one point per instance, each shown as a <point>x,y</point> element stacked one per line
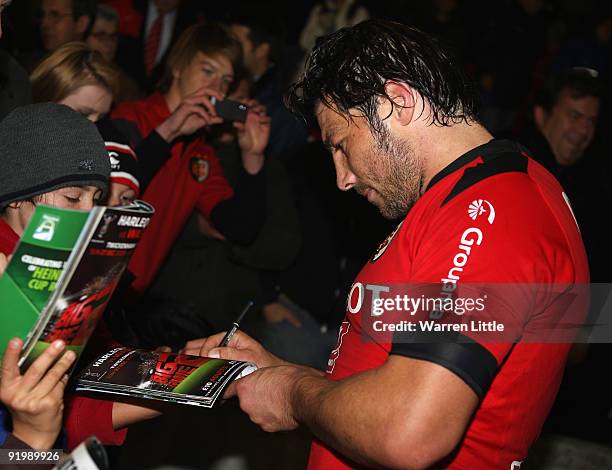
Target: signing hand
<point>193,113</point>
<point>267,396</point>
<point>241,348</point>
<point>36,398</point>
<point>253,136</point>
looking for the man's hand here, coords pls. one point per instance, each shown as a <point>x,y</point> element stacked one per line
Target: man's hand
<point>253,136</point>
<point>267,396</point>
<point>193,113</point>
<point>241,348</point>
<point>36,398</point>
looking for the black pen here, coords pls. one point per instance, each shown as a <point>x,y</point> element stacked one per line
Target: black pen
<point>226,339</point>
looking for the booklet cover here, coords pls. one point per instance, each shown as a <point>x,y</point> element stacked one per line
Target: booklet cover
<point>63,273</point>
<point>165,376</point>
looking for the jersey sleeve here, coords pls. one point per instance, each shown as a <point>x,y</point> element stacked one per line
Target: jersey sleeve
<point>482,244</point>
<point>86,416</point>
<point>125,118</point>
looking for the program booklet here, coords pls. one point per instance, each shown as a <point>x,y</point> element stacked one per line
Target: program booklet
<point>165,376</point>
<point>63,272</point>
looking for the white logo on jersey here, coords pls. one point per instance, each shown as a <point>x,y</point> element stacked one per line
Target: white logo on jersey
<point>477,208</point>
<point>516,464</point>
<point>335,354</point>
<point>470,238</point>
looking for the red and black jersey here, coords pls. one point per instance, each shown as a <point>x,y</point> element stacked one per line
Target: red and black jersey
<point>494,215</point>
<point>192,178</point>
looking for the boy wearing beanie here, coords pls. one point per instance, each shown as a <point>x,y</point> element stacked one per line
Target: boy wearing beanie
<point>51,154</point>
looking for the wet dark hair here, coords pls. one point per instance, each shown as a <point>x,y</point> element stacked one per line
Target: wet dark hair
<point>349,69</point>
<point>580,81</point>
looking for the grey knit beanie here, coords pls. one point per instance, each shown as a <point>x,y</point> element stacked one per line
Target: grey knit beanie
<point>47,146</point>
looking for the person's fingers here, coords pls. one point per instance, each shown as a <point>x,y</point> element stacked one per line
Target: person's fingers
<point>196,343</point>
<point>40,366</point>
<point>233,354</point>
<point>258,109</point>
<point>251,103</point>
<point>197,109</point>
<point>185,114</point>
<point>196,346</point>
<point>205,91</point>
<point>58,390</point>
<point>239,125</point>
<point>230,391</point>
<point>55,374</point>
<point>163,349</point>
<point>215,120</point>
<point>204,102</point>
<point>10,369</point>
<point>212,342</point>
<point>196,117</point>
<point>208,118</point>
<point>265,120</point>
<point>259,119</point>
<point>239,340</point>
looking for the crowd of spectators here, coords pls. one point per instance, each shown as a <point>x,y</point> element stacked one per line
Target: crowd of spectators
<point>250,210</point>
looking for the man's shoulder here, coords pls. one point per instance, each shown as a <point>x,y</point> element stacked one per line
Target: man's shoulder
<point>507,195</point>
<point>501,169</point>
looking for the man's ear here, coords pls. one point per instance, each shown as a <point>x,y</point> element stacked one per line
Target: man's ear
<point>539,116</point>
<point>403,99</point>
<point>82,23</point>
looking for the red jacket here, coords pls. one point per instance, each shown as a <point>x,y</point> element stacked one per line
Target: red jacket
<point>192,178</point>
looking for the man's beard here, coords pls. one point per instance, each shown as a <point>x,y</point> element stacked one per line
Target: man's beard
<point>398,174</point>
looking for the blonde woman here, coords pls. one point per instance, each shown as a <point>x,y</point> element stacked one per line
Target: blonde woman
<point>77,76</point>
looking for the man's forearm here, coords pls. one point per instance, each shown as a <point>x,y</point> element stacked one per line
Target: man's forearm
<point>337,416</point>
<point>404,414</point>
